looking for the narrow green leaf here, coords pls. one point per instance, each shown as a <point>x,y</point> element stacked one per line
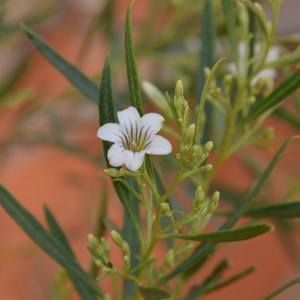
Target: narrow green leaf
<point>279,211</point>
<point>231,27</point>
<point>206,55</point>
<point>283,288</point>
<point>231,280</point>
<point>153,293</point>
<point>218,270</point>
<point>132,72</point>
<point>227,235</point>
<point>207,58</point>
<point>87,288</point>
<point>203,251</point>
<point>57,232</point>
<point>85,85</point>
<point>210,281</point>
<point>286,88</point>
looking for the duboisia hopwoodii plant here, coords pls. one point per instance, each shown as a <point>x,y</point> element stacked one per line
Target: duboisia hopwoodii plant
<point>152,154</point>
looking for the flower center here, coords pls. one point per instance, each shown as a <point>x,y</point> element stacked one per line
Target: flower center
<point>136,145</point>
<point>136,139</point>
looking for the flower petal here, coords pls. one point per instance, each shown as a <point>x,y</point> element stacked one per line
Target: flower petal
<point>159,146</point>
<point>134,160</point>
<point>152,122</point>
<point>116,155</point>
<point>110,132</point>
<point>129,119</point>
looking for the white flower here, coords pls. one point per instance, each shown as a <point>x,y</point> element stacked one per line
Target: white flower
<point>133,137</point>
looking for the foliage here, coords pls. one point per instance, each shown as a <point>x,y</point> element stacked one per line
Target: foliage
<point>235,92</point>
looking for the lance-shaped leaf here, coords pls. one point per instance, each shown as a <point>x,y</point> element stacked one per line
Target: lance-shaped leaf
<point>87,288</point>
<point>153,293</point>
<point>227,235</point>
<point>204,250</point>
<point>283,288</point>
<point>278,211</point>
<point>132,72</point>
<point>286,88</point>
<point>57,232</point>
<point>85,85</point>
<point>211,286</point>
<point>207,57</point>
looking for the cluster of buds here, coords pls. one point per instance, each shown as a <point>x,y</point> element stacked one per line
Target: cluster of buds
<point>202,206</point>
<point>191,155</point>
<point>123,245</point>
<point>166,209</point>
<point>100,250</point>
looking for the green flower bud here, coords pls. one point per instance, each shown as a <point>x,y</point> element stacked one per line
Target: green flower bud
<point>170,258</point>
<point>93,241</point>
<point>216,93</point>
<point>228,78</point>
<point>179,92</point>
<point>268,134</point>
<point>107,297</point>
<point>126,262</point>
<point>251,100</point>
<point>165,207</point>
<point>207,71</point>
<point>188,136</point>
<point>208,147</point>
<point>208,167</point>
<point>199,197</point>
<point>214,202</point>
<point>122,244</point>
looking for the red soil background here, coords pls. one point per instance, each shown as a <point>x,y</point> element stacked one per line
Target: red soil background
<point>39,174</point>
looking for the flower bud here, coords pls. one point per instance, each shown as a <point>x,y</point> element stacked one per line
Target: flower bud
<point>251,100</point>
<point>228,78</point>
<point>93,241</point>
<point>216,93</point>
<point>199,197</point>
<point>268,134</point>
<point>165,207</point>
<point>122,244</point>
<point>214,201</point>
<point>208,167</point>
<point>188,136</point>
<point>179,89</point>
<point>170,258</point>
<point>126,262</point>
<point>207,71</point>
<point>208,147</point>
<point>107,297</point>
